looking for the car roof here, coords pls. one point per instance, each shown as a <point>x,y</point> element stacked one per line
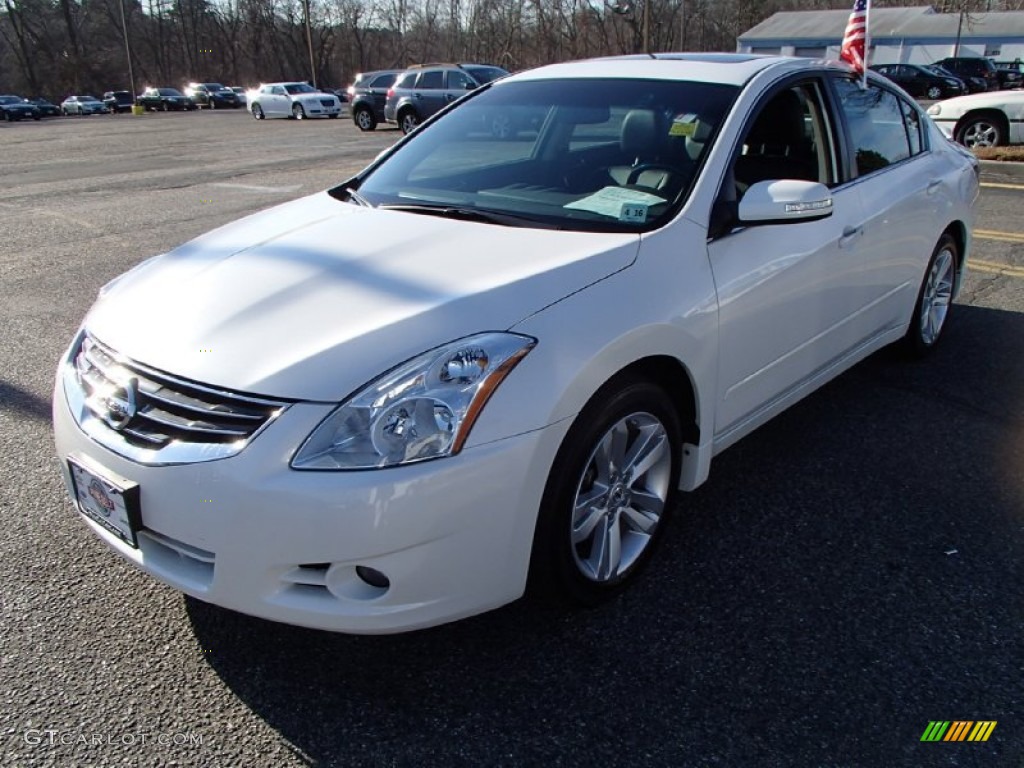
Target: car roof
<point>724,68</point>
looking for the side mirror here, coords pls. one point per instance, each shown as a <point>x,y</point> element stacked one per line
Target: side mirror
<point>785,200</point>
<point>470,86</point>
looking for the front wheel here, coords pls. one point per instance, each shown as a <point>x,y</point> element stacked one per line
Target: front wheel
<point>609,494</point>
<point>298,112</point>
<point>981,131</point>
<point>935,298</point>
<point>933,92</point>
<point>257,112</point>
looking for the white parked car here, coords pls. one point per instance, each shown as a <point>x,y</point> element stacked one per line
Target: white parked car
<point>486,360</point>
<point>988,119</point>
<point>295,100</point>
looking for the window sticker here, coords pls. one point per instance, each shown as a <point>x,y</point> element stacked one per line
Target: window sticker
<point>683,125</point>
<point>630,205</point>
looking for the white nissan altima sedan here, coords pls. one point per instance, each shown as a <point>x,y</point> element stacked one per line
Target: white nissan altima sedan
<point>485,362</point>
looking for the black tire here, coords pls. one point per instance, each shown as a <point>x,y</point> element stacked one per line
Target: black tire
<point>298,112</point>
<point>981,131</point>
<point>212,104</point>
<point>629,512</point>
<point>934,92</point>
<point>166,107</point>
<point>934,299</point>
<point>408,121</point>
<point>364,119</point>
<point>257,112</point>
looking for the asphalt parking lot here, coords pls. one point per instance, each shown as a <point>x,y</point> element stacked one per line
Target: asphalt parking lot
<point>850,572</point>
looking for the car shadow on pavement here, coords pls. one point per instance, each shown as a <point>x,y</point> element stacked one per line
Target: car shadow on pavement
<point>14,398</point>
<point>849,573</point>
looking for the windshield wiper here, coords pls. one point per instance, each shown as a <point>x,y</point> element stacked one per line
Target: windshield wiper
<point>470,214</point>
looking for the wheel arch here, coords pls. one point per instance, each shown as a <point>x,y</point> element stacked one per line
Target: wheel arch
<point>993,114</point>
<point>959,232</point>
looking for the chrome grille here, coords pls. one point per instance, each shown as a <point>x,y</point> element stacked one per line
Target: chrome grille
<point>151,409</point>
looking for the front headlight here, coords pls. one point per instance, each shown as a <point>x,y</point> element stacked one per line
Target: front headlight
<point>423,409</point>
<point>934,109</point>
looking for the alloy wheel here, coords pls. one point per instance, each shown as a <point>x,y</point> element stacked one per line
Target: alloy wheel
<point>937,294</point>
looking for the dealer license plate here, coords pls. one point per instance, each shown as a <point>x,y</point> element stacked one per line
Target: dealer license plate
<point>114,504</point>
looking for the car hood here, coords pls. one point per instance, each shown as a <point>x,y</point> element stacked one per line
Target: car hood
<point>313,298</point>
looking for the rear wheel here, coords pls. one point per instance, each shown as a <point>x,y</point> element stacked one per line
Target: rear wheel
<point>609,493</point>
<point>935,298</point>
<point>933,92</point>
<point>364,119</point>
<point>408,121</point>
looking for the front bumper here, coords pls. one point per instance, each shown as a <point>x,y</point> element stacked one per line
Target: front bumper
<point>453,536</point>
<point>319,109</point>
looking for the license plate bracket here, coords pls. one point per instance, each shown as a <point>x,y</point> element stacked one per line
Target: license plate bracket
<point>112,502</point>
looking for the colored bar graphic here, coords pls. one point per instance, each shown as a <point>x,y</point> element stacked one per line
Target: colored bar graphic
<point>982,730</point>
<point>935,731</point>
<point>958,730</point>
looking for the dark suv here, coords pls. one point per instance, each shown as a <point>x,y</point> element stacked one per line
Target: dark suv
<point>212,95</point>
<point>973,66</point>
<point>1011,74</point>
<point>421,91</point>
<point>366,97</point>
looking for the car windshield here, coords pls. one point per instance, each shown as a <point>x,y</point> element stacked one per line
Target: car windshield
<point>600,154</point>
<point>214,87</point>
<point>87,98</point>
<point>9,100</point>
<point>299,88</point>
<point>169,92</point>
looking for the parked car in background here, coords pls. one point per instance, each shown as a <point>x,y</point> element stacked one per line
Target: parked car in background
<point>119,101</point>
<point>213,96</point>
<point>975,67</point>
<point>920,82</point>
<point>480,364</point>
<point>367,96</point>
<point>982,119</point>
<point>240,93</point>
<point>83,105</point>
<point>421,91</point>
<point>14,108</point>
<point>44,107</point>
<point>294,100</point>
<point>1011,74</point>
<point>165,100</point>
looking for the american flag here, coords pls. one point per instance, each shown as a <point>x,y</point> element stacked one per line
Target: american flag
<point>855,38</point>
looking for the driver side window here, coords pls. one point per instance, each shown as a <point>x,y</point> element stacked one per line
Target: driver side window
<point>787,138</point>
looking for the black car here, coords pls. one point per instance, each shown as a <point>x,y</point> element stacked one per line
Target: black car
<point>1011,74</point>
<point>44,108</point>
<point>165,99</point>
<point>920,82</point>
<point>367,95</point>
<point>966,67</point>
<point>16,108</point>
<point>212,95</point>
<point>118,101</point>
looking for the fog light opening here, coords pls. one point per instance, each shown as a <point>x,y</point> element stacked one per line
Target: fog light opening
<point>373,577</point>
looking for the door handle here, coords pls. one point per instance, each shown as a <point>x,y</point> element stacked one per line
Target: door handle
<point>850,235</point>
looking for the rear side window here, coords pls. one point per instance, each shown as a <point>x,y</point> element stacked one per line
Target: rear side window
<point>431,79</point>
<point>878,126</point>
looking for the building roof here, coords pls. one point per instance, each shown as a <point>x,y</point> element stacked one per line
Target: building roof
<point>920,22</point>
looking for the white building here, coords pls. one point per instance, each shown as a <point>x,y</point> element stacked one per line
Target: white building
<point>916,35</point>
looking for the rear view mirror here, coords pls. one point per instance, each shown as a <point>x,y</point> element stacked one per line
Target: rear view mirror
<point>785,200</point>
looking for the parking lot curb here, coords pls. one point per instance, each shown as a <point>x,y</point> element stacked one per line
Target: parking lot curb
<point>999,171</point>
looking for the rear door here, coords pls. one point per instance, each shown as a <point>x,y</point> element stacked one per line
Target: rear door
<point>429,95</point>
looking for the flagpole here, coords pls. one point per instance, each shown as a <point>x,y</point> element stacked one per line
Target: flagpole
<point>867,42</point>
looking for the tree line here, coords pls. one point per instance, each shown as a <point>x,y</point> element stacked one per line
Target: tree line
<point>54,48</point>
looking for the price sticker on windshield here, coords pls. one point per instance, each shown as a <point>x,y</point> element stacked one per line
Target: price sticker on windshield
<point>634,213</point>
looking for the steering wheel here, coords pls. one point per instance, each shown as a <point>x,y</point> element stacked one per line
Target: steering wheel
<point>640,169</point>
